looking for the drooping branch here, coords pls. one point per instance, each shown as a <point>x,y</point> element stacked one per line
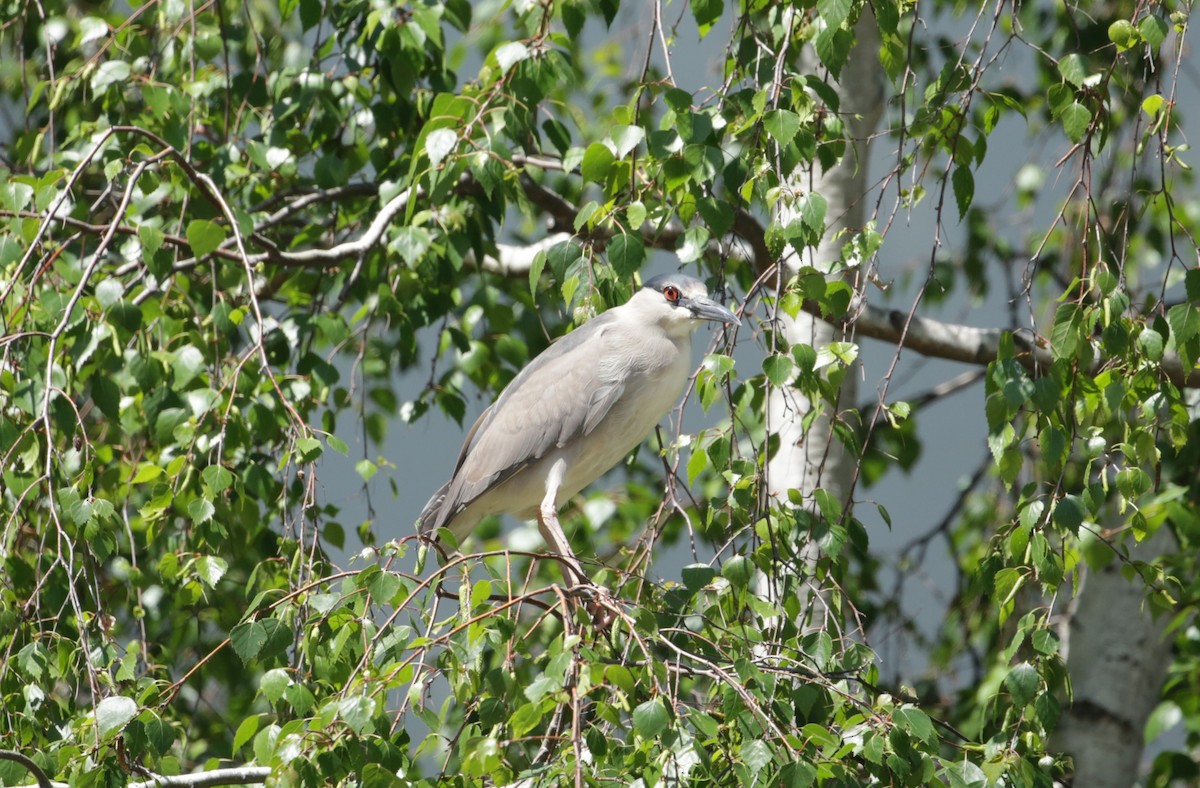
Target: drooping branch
<point>929,337</point>
<point>554,205</point>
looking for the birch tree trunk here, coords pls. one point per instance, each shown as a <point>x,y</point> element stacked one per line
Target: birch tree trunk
<point>809,455</point>
<point>1117,659</point>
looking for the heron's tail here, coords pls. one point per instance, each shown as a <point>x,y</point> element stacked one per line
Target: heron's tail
<point>432,517</point>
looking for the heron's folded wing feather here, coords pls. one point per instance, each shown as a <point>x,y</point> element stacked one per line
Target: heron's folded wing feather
<point>432,517</point>
<point>557,397</point>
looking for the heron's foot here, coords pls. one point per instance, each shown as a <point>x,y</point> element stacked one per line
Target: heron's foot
<point>599,603</point>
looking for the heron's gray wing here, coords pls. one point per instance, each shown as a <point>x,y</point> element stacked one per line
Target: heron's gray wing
<point>557,397</point>
<point>428,519</point>
<point>431,517</point>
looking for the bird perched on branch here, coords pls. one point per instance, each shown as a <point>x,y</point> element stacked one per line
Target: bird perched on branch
<point>574,412</point>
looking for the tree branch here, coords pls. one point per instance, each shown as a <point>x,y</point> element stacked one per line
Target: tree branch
<point>968,344</point>
<point>926,336</point>
<point>237,775</point>
<point>43,780</point>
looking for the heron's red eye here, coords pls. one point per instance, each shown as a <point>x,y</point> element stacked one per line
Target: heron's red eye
<point>671,293</point>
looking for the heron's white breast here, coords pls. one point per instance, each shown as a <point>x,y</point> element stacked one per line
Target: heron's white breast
<point>651,390</point>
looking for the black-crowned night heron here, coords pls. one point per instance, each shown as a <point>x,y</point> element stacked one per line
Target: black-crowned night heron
<point>575,411</point>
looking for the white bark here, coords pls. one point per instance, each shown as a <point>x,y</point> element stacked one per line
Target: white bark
<point>1117,658</point>
<point>811,457</point>
<point>240,775</point>
<point>808,458</point>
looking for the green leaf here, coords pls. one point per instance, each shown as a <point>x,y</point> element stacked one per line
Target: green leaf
<point>15,196</point>
<point>1076,119</point>
<point>535,272</point>
<point>651,718</point>
<point>383,585</point>
<point>964,774</point>
<point>597,163</point>
<point>697,464</point>
<point>157,734</point>
<point>109,292</point>
<point>835,12</point>
<point>511,53</point>
<point>145,473</point>
<point>820,735</point>
<point>1166,716</point>
<point>113,713</point>
<point>739,571</point>
<point>584,217</point>
<point>833,45</point>
<point>626,138</point>
<point>1022,681</point>
<point>782,125</point>
<point>800,774</point>
<point>1123,34</point>
<point>635,214</point>
<point>778,368</point>
<point>812,207</point>
<point>1045,641</point>
<point>963,181</point>
<point>718,215</point>
<point>481,592</point>
<point>706,12</point>
<point>110,72</point>
<point>310,448</point>
<point>756,754</point>
<point>265,741</point>
<point>1134,482</point>
<point>1154,30</point>
<point>525,719</point>
<point>366,469</point>
<point>211,569</point>
<point>915,722</point>
<point>357,711</point>
<point>245,732</point>
<point>1069,512</point>
<point>828,503</point>
<point>272,684</point>
<point>1191,282</point>
<point>1008,581</point>
<point>201,510</point>
<point>311,13</point>
<point>204,236</point>
<point>1151,344</point>
<point>626,254</point>
<point>439,143</point>
<point>536,689</point>
<point>1184,320</point>
<point>1073,69</point>
<point>559,136</point>
<point>697,576</point>
<point>1031,514</point>
<point>693,244</point>
<point>248,639</point>
<point>34,660</point>
<point>621,677</point>
<point>216,479</point>
<point>337,444</point>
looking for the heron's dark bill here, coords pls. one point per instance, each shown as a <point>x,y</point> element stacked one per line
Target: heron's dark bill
<point>707,309</point>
